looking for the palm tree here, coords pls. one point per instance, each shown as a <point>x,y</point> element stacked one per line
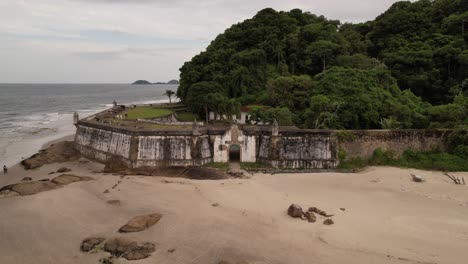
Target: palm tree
<point>169,93</point>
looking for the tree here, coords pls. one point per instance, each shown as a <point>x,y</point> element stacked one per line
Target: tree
<point>323,113</point>
<point>323,49</point>
<point>169,93</point>
<point>383,73</point>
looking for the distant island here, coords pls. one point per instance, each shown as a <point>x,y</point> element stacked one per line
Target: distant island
<point>173,82</point>
<point>141,82</point>
<point>145,82</point>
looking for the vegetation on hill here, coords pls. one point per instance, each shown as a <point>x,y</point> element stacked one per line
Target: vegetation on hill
<point>141,82</point>
<point>408,68</point>
<point>173,82</point>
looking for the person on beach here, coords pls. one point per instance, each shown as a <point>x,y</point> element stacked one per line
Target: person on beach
<point>5,169</point>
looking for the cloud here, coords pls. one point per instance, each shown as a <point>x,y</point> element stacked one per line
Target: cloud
<point>104,33</point>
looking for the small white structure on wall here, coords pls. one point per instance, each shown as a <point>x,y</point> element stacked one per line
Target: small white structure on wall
<point>239,120</point>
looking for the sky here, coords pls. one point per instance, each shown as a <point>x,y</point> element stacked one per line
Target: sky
<point>120,41</point>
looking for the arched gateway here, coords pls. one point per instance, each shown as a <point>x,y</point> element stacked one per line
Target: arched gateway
<point>234,153</point>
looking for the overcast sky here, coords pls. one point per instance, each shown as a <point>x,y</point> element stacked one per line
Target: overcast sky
<point>120,41</point>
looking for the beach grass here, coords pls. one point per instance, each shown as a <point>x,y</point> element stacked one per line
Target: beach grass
<point>147,112</point>
<point>425,160</point>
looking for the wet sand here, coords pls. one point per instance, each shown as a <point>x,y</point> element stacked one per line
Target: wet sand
<point>388,218</point>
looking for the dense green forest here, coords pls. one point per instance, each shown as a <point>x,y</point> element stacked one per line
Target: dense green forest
<point>408,68</point>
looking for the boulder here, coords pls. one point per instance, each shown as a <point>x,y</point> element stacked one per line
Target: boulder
<point>33,187</point>
<point>417,178</point>
<point>119,246</point>
<point>140,223</point>
<point>60,152</point>
<point>140,252</point>
<point>310,216</point>
<point>114,202</point>
<point>128,249</point>
<point>319,212</point>
<point>295,210</point>
<point>65,179</point>
<point>5,193</point>
<point>328,221</point>
<point>90,243</point>
<point>63,169</point>
<point>27,179</point>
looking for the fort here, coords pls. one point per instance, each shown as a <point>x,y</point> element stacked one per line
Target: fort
<point>143,143</point>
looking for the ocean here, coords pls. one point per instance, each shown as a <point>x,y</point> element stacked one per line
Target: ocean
<point>34,114</point>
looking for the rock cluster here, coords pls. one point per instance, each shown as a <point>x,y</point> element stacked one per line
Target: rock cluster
<point>119,247</point>
<point>63,169</point>
<point>32,187</point>
<point>128,249</point>
<point>296,211</point>
<point>60,152</point>
<point>90,243</point>
<point>123,247</point>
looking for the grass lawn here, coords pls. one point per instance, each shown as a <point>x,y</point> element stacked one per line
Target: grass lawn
<point>147,112</point>
<point>187,117</point>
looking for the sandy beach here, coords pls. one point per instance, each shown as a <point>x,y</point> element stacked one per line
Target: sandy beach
<point>387,218</point>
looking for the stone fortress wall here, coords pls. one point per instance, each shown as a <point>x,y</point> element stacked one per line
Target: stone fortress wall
<point>281,147</point>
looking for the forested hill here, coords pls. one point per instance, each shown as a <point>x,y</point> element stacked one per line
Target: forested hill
<point>406,69</point>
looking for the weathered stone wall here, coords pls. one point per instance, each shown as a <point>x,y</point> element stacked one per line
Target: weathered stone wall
<point>142,148</point>
<point>298,150</point>
<point>100,144</point>
<point>362,143</point>
<point>285,147</point>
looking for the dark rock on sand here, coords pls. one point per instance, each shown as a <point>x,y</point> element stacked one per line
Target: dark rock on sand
<point>64,169</point>
<point>27,179</point>
<point>140,223</point>
<point>295,210</point>
<point>33,187</point>
<point>310,216</point>
<point>114,202</point>
<point>60,152</point>
<point>65,179</point>
<point>140,252</point>
<point>90,243</point>
<point>107,260</point>
<point>328,222</point>
<point>318,211</point>
<point>4,193</point>
<point>128,249</point>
